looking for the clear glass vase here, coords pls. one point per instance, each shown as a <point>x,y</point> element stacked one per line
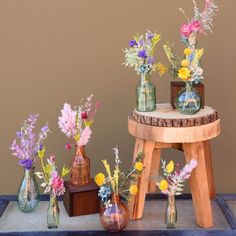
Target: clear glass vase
<point>171,212</point>
<point>188,100</point>
<point>28,193</point>
<point>53,216</point>
<point>145,94</point>
<point>115,216</point>
<point>80,170</point>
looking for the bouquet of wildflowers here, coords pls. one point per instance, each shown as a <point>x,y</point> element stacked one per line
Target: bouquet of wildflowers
<point>27,144</point>
<point>52,182</point>
<point>189,69</point>
<point>172,180</point>
<point>140,54</point>
<point>119,182</point>
<point>76,123</point>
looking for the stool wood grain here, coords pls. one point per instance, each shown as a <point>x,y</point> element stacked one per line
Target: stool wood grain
<point>194,141</point>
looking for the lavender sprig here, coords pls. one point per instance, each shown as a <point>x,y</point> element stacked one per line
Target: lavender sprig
<point>27,144</point>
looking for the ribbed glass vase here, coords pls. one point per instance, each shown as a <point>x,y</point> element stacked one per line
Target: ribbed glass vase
<point>80,170</point>
<point>145,94</point>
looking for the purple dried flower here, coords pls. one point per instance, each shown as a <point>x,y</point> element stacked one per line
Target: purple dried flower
<point>142,54</point>
<point>150,36</point>
<point>41,147</point>
<point>18,134</point>
<point>133,43</point>
<point>151,60</point>
<point>141,42</point>
<point>27,163</point>
<point>27,143</point>
<point>45,128</point>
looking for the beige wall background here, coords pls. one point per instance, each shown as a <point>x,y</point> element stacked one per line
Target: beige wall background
<point>53,52</point>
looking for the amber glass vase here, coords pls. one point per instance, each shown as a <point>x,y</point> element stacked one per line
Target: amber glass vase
<point>80,170</point>
<point>115,216</point>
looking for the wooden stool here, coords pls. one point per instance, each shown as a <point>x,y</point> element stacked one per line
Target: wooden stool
<point>167,128</point>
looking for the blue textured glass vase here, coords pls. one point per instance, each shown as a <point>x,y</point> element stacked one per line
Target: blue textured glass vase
<point>28,194</point>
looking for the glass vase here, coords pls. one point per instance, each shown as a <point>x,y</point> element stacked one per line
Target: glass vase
<point>114,216</point>
<point>171,212</point>
<point>53,217</point>
<point>28,193</point>
<point>188,100</point>
<point>145,94</point>
<point>80,170</point>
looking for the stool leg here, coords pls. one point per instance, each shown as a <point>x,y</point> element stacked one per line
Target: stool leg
<point>154,170</point>
<point>210,176</point>
<point>136,203</point>
<point>199,184</point>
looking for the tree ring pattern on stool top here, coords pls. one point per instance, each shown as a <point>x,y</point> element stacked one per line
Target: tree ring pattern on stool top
<point>166,116</point>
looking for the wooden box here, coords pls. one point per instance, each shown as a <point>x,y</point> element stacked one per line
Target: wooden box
<point>81,200</point>
<point>176,86</point>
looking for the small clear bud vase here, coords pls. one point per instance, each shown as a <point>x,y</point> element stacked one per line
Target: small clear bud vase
<point>188,100</point>
<point>145,94</point>
<point>114,216</point>
<point>80,170</point>
<point>28,193</point>
<point>171,212</point>
<point>53,216</point>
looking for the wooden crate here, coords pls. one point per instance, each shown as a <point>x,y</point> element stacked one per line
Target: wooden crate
<point>81,200</point>
<point>176,86</point>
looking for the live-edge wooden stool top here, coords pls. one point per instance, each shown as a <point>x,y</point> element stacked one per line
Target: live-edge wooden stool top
<point>167,128</point>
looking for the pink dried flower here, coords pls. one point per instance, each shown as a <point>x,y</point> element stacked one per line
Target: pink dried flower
<point>185,30</point>
<point>57,184</point>
<point>68,146</point>
<point>52,158</point>
<point>67,122</point>
<point>84,115</point>
<point>196,26</point>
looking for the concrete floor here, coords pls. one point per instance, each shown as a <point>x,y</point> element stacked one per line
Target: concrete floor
<point>232,206</point>
<point>14,220</point>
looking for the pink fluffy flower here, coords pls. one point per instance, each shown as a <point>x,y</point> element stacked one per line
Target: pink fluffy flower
<point>196,26</point>
<point>57,184</point>
<point>193,26</point>
<point>185,30</point>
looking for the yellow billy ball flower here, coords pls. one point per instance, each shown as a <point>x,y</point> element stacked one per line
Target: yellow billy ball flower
<point>187,51</point>
<point>138,166</point>
<point>185,63</point>
<point>170,167</point>
<point>100,179</point>
<point>184,73</point>
<point>163,185</point>
<point>133,189</point>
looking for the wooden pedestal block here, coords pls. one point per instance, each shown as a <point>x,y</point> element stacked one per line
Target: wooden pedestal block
<point>176,86</point>
<point>81,200</point>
